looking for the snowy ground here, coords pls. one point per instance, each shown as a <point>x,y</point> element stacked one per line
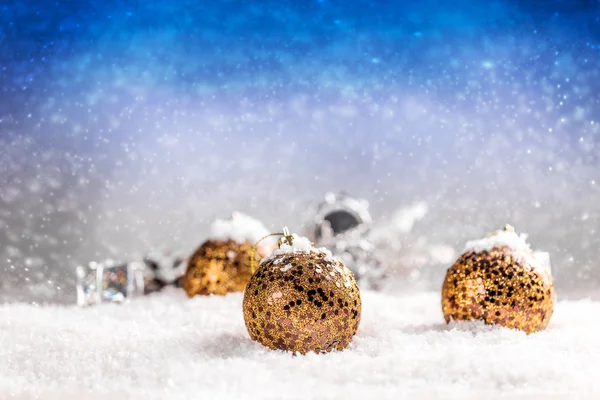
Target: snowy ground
<point>166,346</point>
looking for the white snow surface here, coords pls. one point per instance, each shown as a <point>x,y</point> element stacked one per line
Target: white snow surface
<point>166,346</point>
<point>239,227</point>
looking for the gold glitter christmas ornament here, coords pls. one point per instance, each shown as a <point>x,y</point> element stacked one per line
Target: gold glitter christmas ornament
<point>301,299</point>
<point>501,281</point>
<point>218,267</point>
<point>223,263</point>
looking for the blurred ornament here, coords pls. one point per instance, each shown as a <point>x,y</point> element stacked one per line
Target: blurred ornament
<point>500,280</point>
<point>342,224</point>
<point>302,299</point>
<point>163,269</point>
<point>218,267</point>
<point>222,264</point>
<point>340,214</point>
<point>109,281</point>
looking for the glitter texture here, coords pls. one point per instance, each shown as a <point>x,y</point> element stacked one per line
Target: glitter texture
<point>219,267</point>
<point>498,288</point>
<point>302,302</point>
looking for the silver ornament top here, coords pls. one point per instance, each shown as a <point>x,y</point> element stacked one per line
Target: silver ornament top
<point>341,224</point>
<point>340,215</point>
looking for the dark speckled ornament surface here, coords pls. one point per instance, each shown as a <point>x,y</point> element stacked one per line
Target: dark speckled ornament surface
<point>494,287</point>
<point>219,267</point>
<point>302,302</point>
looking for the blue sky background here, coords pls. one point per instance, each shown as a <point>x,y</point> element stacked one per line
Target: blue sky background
<point>130,125</point>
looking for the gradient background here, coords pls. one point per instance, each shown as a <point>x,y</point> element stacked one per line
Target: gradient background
<point>130,125</point>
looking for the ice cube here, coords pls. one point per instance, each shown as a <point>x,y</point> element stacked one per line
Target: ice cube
<point>109,282</point>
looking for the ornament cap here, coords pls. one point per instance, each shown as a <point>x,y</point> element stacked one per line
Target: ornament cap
<point>287,237</point>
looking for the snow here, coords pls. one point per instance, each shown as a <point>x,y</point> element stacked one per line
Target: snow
<point>405,252</point>
<point>517,243</point>
<point>300,244</point>
<point>543,257</point>
<point>166,346</point>
<point>405,219</point>
<point>401,222</point>
<point>240,228</point>
<point>117,143</point>
<point>286,268</point>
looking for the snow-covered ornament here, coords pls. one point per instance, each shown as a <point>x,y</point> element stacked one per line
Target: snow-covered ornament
<point>222,264</point>
<point>109,282</point>
<point>501,281</point>
<point>341,224</point>
<point>302,299</point>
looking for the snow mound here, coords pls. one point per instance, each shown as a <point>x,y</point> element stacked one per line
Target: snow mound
<point>517,243</point>
<point>240,228</point>
<point>300,244</point>
<point>166,346</point>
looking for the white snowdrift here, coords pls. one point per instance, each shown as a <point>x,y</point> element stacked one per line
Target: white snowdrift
<point>168,347</point>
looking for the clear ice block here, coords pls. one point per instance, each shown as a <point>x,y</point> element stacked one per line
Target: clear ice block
<point>109,282</point>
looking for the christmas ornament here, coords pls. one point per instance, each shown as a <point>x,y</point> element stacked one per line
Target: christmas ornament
<point>163,269</point>
<point>302,299</point>
<point>342,224</point>
<point>222,264</point>
<point>501,281</point>
<point>109,281</point>
<point>340,214</point>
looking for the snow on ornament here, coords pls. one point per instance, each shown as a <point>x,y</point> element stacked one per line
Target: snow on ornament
<point>222,264</point>
<point>501,281</point>
<point>302,299</point>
